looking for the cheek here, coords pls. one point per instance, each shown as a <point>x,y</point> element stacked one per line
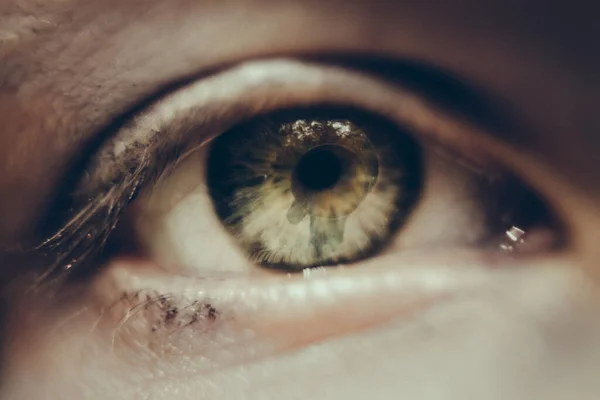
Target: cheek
<point>531,333</point>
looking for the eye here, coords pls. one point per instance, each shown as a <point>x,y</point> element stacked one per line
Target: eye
<point>314,177</point>
<point>320,187</point>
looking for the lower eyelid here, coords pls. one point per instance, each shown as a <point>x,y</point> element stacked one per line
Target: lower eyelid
<point>266,315</point>
<point>257,317</point>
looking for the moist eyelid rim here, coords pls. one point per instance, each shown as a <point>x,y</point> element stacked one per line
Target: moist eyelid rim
<point>196,113</point>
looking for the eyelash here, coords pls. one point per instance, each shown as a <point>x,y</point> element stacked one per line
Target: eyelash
<point>138,159</point>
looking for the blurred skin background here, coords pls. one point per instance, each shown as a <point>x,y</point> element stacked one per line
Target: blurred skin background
<point>173,309</point>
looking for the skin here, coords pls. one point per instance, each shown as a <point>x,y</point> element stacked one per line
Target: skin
<point>70,67</point>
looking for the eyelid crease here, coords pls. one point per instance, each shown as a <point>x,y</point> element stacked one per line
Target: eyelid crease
<point>154,141</point>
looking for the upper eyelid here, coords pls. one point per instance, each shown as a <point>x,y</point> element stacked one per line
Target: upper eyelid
<point>152,140</point>
<point>210,105</point>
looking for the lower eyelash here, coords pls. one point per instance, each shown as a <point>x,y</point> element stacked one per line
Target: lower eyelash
<point>167,312</point>
<point>149,318</point>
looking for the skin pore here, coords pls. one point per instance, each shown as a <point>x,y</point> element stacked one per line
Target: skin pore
<point>400,326</point>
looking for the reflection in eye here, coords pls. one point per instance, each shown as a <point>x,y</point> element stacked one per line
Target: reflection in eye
<point>309,192</point>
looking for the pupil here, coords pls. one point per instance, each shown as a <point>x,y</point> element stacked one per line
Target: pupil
<point>320,168</point>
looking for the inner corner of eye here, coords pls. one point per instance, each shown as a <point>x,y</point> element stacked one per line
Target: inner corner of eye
<point>525,221</point>
<point>304,188</point>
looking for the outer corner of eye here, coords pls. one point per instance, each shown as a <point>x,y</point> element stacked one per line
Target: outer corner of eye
<point>308,188</point>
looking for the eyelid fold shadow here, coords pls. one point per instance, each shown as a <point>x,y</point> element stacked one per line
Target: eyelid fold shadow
<point>153,142</point>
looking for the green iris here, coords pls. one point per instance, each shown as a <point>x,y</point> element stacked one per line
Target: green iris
<point>299,190</point>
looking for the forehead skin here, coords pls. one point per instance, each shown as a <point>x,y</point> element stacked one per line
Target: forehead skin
<point>70,66</point>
